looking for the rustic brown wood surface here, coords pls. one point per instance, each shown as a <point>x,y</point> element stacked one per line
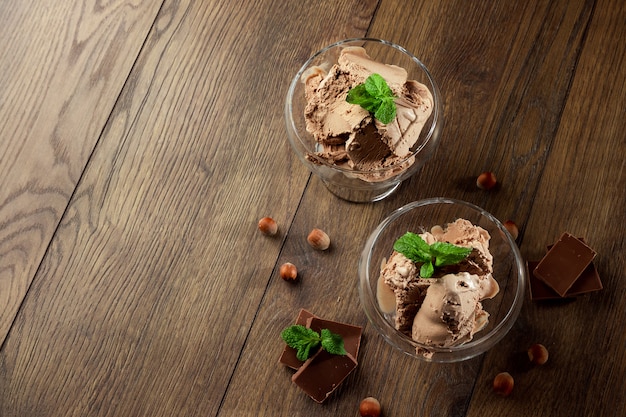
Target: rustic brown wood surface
<point>140,142</point>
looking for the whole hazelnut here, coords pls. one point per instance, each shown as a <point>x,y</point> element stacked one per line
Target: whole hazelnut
<point>268,226</point>
<point>503,384</point>
<point>538,354</point>
<point>288,271</point>
<point>369,407</point>
<point>512,228</point>
<point>486,181</point>
<point>318,239</point>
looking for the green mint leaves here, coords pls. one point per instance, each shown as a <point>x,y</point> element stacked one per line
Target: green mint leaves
<point>305,340</point>
<point>376,97</point>
<point>438,254</point>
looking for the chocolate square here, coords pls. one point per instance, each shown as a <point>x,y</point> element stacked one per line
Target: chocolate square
<point>538,290</point>
<point>351,336</point>
<point>588,281</point>
<point>322,373</point>
<point>564,263</point>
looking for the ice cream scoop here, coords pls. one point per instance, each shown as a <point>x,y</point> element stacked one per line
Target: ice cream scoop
<point>451,312</point>
<point>444,310</point>
<point>348,135</point>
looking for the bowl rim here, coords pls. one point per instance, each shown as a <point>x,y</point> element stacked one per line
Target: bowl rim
<point>437,114</point>
<point>448,354</point>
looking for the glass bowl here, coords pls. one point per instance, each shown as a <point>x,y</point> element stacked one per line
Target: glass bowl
<point>508,270</point>
<point>347,183</point>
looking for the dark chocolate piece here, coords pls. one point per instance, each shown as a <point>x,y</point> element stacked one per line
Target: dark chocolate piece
<point>588,281</point>
<point>539,290</point>
<point>564,263</point>
<point>322,373</point>
<point>351,335</point>
<point>288,357</point>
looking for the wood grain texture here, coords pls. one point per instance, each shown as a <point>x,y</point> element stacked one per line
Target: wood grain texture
<point>61,71</point>
<point>160,142</point>
<point>504,71</point>
<point>158,269</point>
<point>507,95</point>
<point>584,336</point>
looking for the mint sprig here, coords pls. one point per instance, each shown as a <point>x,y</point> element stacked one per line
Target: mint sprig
<point>376,97</point>
<point>305,340</point>
<point>438,254</point>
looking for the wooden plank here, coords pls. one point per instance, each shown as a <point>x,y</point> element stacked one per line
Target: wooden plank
<point>483,98</point>
<point>157,278</point>
<point>582,192</point>
<point>61,71</point>
<point>156,271</point>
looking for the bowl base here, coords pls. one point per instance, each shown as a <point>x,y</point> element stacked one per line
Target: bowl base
<point>361,196</point>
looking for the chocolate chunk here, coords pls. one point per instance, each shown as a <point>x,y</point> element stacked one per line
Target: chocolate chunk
<point>539,290</point>
<point>564,263</point>
<point>322,373</point>
<point>588,281</point>
<point>350,334</point>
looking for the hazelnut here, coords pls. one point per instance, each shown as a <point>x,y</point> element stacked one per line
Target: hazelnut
<point>503,384</point>
<point>512,228</point>
<point>486,181</point>
<point>318,239</point>
<point>538,354</point>
<point>288,271</point>
<point>268,226</point>
<point>369,407</point>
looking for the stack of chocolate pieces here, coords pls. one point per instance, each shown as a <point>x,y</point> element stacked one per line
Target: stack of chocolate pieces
<point>322,373</point>
<point>567,270</point>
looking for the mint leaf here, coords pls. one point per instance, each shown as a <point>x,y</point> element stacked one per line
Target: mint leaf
<point>448,254</point>
<point>332,343</point>
<point>427,270</point>
<point>359,95</point>
<point>376,97</point>
<point>302,339</point>
<point>297,333</point>
<point>432,256</point>
<point>386,112</point>
<point>413,247</point>
<point>305,340</point>
<point>376,86</point>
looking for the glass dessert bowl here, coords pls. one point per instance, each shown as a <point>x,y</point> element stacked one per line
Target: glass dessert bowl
<point>357,156</point>
<point>502,301</point>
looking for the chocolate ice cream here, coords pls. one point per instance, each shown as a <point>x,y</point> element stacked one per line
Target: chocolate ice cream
<point>348,135</point>
<point>445,309</point>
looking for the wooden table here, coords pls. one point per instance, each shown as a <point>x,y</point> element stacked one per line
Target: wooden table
<point>141,141</point>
